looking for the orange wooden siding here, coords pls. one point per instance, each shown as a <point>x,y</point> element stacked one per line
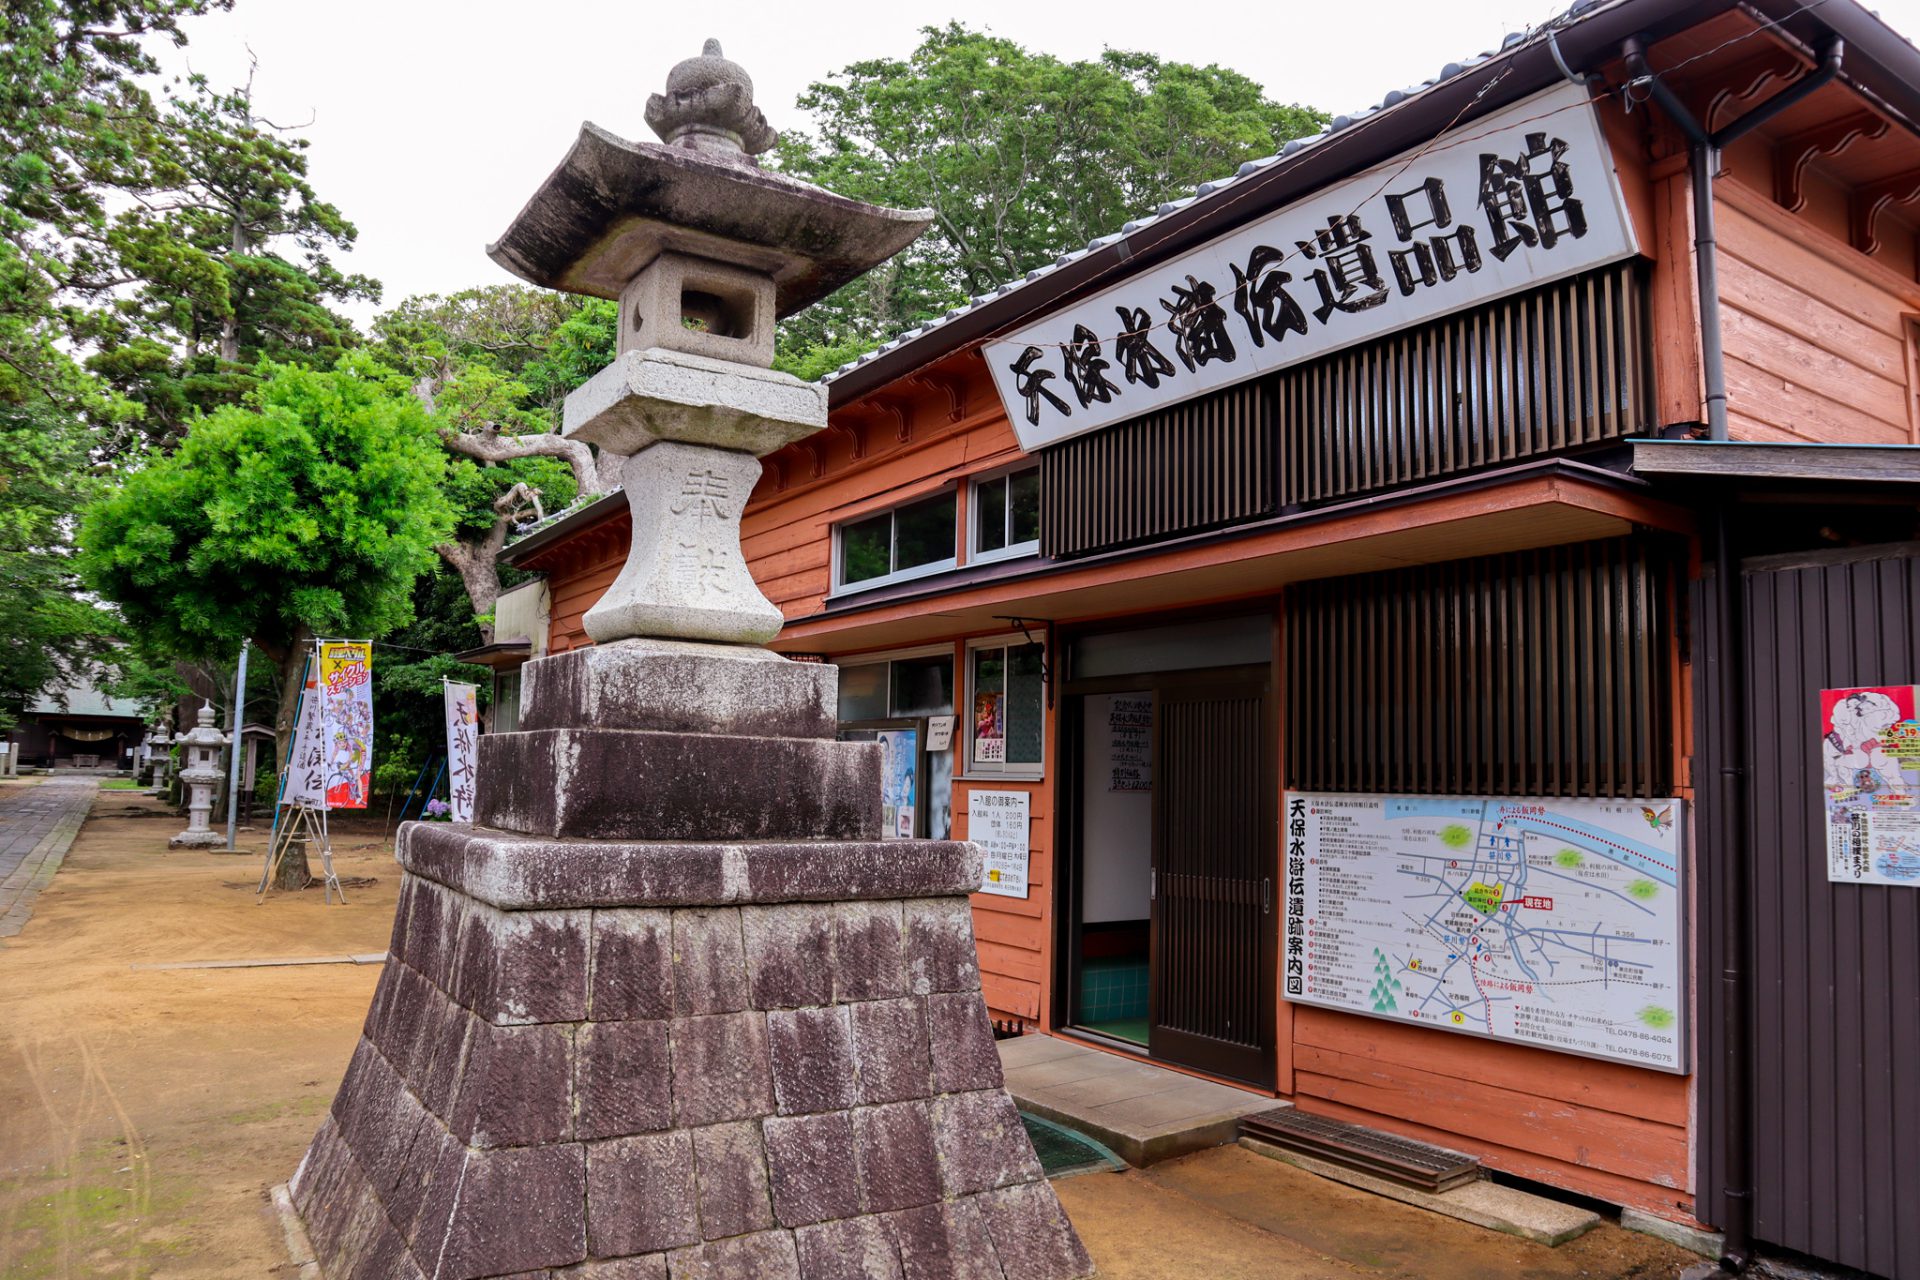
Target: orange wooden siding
<point>1604,1129</point>
<point>1815,331</point>
<point>1012,933</point>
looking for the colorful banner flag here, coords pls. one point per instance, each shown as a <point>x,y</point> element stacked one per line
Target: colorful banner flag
<point>463,728</point>
<point>346,721</point>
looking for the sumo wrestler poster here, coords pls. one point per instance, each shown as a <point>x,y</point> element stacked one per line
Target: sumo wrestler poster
<point>1870,767</point>
<point>346,721</point>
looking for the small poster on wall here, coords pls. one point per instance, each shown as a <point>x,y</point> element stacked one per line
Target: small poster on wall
<point>1130,742</point>
<point>1870,770</point>
<point>997,822</point>
<point>899,762</point>
<point>989,728</point>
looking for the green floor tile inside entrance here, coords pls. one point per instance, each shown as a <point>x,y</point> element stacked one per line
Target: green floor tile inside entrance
<point>1132,1030</point>
<point>1062,1151</point>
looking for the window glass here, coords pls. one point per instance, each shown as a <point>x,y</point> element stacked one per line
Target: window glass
<point>506,702</point>
<point>992,497</point>
<point>922,686</point>
<point>1025,705</point>
<point>864,549</point>
<point>863,691</point>
<point>1008,713</point>
<point>923,532</point>
<point>1025,487</point>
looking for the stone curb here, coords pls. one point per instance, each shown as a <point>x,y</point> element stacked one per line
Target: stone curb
<point>1707,1244</point>
<point>294,1233</point>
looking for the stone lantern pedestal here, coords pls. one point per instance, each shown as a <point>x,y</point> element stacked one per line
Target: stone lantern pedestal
<point>201,772</point>
<point>670,1008</point>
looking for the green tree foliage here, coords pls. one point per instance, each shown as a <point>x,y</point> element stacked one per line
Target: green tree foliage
<point>223,261</point>
<point>494,366</point>
<point>49,633</point>
<point>1019,155</point>
<point>409,711</point>
<point>168,244</point>
<point>309,509</point>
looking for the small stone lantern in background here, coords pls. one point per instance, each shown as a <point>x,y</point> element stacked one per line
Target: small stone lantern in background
<point>200,771</point>
<point>162,745</point>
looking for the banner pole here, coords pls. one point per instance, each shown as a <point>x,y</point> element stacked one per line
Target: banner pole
<point>233,747</point>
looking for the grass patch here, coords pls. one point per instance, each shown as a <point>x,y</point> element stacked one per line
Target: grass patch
<point>305,1104</point>
<point>105,1231</point>
<point>121,784</point>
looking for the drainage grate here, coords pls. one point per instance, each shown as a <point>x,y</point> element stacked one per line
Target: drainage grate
<point>1401,1160</point>
<point>1063,1151</point>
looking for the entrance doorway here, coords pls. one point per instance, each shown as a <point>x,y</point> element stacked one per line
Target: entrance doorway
<point>1170,791</point>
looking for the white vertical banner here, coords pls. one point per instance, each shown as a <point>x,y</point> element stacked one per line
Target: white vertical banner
<point>463,727</point>
<point>307,774</point>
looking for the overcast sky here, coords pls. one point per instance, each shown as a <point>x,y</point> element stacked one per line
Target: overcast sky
<point>433,120</point>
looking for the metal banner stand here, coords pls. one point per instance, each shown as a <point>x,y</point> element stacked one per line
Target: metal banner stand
<point>302,820</point>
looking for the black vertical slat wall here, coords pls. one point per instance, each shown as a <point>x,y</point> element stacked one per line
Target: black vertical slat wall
<point>1536,673</point>
<point>1196,465</point>
<point>1559,368</point>
<point>1834,969</point>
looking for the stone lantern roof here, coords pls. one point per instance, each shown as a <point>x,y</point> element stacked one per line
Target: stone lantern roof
<point>613,206</point>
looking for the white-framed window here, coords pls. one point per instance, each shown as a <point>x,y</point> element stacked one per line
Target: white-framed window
<point>908,541</point>
<point>1006,707</point>
<point>905,684</point>
<point>902,682</point>
<point>1005,515</point>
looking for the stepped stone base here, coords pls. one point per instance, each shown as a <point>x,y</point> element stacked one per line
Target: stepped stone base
<point>680,1061</point>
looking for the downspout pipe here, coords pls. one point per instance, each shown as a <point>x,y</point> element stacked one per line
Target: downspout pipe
<point>1730,680</point>
<point>1703,163</point>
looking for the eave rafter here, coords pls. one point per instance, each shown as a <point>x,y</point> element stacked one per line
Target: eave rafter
<point>1795,152</point>
<point>892,411</point>
<point>1746,81</point>
<point>1872,199</point>
<point>952,389</point>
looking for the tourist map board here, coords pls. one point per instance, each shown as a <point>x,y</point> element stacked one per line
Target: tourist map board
<point>1549,922</point>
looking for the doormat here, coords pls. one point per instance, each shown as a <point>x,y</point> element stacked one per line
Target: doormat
<point>1063,1152</point>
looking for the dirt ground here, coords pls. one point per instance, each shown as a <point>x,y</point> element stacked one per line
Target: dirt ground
<point>145,1113</point>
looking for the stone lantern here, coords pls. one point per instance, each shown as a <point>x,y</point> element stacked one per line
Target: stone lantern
<point>162,757</point>
<point>670,1006</point>
<point>200,770</point>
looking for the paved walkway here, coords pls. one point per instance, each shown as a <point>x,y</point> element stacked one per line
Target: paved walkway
<point>37,824</point>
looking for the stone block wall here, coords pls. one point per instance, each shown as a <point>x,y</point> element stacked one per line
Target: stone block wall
<point>740,1088</point>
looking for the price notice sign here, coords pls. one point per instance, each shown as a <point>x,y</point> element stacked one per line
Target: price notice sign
<point>997,822</point>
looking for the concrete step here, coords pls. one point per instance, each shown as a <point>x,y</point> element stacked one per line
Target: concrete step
<point>1142,1112</point>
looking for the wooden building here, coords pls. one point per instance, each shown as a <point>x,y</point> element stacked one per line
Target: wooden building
<point>1467,539</point>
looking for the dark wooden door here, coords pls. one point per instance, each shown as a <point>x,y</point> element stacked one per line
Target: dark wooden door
<point>1214,846</point>
<point>1834,968</point>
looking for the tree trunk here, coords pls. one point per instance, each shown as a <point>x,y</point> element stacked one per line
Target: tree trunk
<point>290,666</point>
<point>478,564</point>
